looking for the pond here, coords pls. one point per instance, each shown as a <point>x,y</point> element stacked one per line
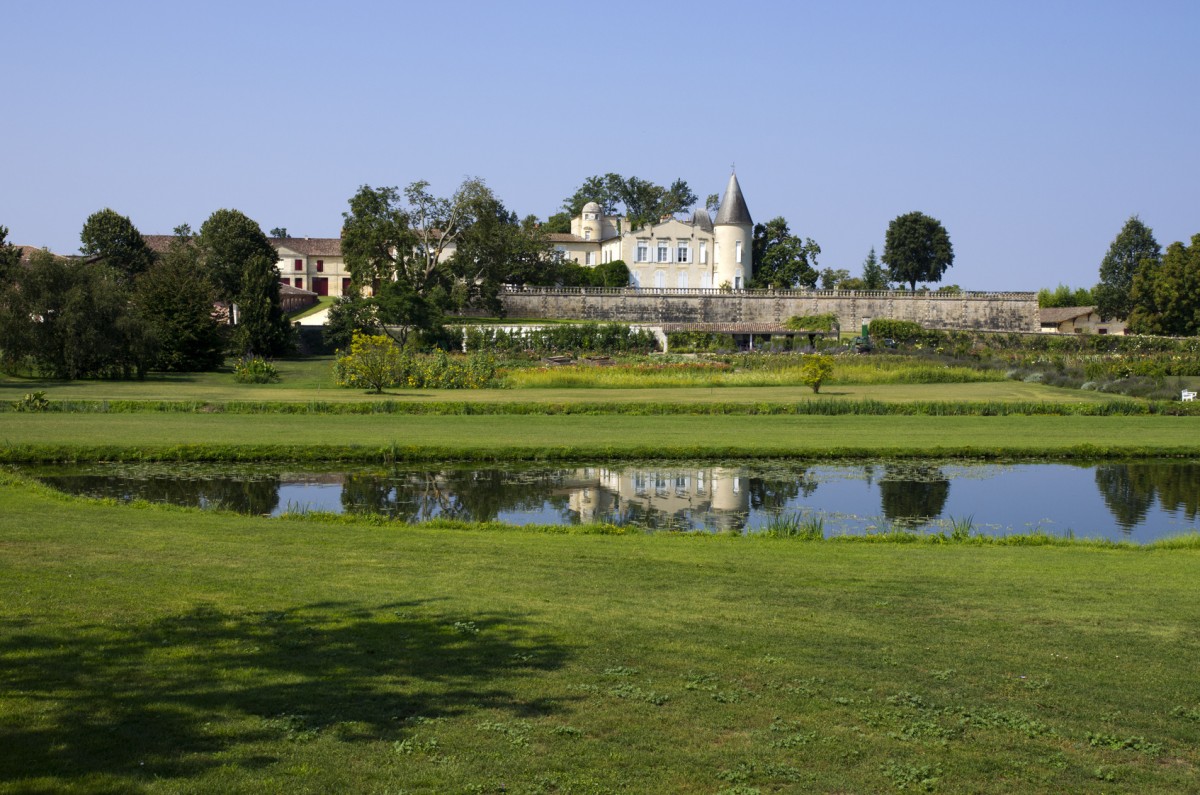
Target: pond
<point>1138,501</point>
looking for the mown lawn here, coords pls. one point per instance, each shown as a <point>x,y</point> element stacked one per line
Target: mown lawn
<point>165,650</point>
<point>29,436</point>
<point>306,380</point>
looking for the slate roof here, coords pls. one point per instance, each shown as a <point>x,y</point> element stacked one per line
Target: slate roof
<point>310,246</point>
<point>287,289</point>
<point>733,209</point>
<point>566,237</point>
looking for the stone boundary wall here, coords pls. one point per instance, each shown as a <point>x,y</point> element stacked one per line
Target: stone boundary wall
<point>960,311</point>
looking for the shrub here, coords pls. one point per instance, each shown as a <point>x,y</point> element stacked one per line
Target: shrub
<point>816,369</point>
<point>377,362</point>
<point>254,370</point>
<point>899,330</point>
<point>374,361</point>
<point>826,322</point>
<point>33,401</point>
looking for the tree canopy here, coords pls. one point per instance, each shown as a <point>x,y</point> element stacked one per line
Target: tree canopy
<point>1062,296</point>
<point>70,320</point>
<point>240,261</point>
<point>643,201</point>
<point>174,298</point>
<point>423,255</point>
<point>874,277</point>
<point>782,260</point>
<point>1133,245</point>
<point>917,249</point>
<point>113,239</point>
<point>10,256</point>
<point>1165,296</point>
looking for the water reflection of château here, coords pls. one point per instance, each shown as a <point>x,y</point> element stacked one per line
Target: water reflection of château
<point>701,498</point>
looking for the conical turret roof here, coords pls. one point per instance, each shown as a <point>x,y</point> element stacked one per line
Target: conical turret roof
<point>733,209</point>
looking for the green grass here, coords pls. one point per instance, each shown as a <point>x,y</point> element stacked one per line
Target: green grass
<point>323,302</point>
<point>26,437</point>
<point>305,380</point>
<point>164,650</point>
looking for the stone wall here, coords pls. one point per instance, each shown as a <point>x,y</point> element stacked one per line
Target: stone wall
<point>964,311</point>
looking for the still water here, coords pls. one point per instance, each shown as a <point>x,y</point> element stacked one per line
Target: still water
<point>1138,501</point>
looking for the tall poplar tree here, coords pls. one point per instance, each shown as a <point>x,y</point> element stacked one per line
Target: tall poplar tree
<point>1134,245</point>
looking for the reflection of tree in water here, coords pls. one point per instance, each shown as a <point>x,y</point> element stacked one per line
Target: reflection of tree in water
<point>1129,490</point>
<point>468,494</point>
<point>774,493</point>
<point>913,493</point>
<point>258,495</point>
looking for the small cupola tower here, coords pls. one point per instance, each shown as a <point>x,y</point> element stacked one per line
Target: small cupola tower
<point>592,218</point>
<point>733,233</point>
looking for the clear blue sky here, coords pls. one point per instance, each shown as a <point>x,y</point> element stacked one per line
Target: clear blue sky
<point>1032,130</point>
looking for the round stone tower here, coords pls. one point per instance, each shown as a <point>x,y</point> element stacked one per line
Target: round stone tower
<point>733,232</point>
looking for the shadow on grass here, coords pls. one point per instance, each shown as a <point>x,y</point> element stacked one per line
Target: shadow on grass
<point>110,707</point>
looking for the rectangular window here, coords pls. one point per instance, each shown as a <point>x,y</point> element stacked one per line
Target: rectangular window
<point>705,280</point>
<point>590,258</point>
<point>299,266</point>
<point>286,281</point>
<point>664,251</point>
<point>643,251</point>
<point>738,252</point>
<point>587,234</point>
<point>320,266</point>
<point>345,287</point>
<point>682,280</point>
<point>299,282</point>
<point>703,252</point>
<point>683,252</point>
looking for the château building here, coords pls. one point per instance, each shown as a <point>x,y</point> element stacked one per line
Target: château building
<point>700,252</point>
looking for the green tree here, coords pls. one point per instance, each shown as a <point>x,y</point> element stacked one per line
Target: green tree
<point>240,261</point>
<point>10,257</point>
<point>175,300</point>
<point>874,277</point>
<point>816,370</point>
<point>262,328</point>
<point>420,255</point>
<point>832,279</point>
<point>782,260</point>
<point>917,249</point>
<point>112,239</point>
<point>611,274</point>
<point>1165,296</point>
<point>1133,245</point>
<point>228,240</point>
<point>70,320</point>
<point>279,231</point>
<point>495,249</point>
<point>1062,296</point>
<point>643,201</point>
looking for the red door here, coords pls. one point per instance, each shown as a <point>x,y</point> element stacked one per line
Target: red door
<point>320,285</point>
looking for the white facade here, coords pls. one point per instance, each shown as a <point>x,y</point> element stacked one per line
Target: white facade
<point>694,253</point>
<point>314,264</point>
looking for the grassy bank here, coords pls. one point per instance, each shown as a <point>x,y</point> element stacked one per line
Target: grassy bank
<point>48,436</point>
<point>165,650</point>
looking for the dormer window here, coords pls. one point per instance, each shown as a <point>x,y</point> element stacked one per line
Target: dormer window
<point>587,234</point>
